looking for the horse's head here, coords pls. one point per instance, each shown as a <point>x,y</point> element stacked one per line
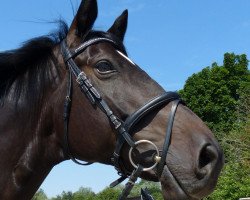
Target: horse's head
<point>194,159</point>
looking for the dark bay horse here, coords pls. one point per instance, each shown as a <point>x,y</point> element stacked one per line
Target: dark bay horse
<point>47,117</point>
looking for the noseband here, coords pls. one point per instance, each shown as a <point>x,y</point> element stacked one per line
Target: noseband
<point>123,128</point>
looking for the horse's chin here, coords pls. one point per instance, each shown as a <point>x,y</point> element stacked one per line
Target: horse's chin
<point>171,188</point>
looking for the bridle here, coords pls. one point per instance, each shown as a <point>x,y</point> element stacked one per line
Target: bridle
<point>123,128</point>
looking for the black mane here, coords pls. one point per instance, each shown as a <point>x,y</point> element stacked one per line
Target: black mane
<point>27,68</point>
<point>27,65</point>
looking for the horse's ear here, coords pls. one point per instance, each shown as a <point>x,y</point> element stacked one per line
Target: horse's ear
<point>85,18</point>
<point>120,25</point>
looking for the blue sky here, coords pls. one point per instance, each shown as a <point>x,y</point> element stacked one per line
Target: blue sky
<point>170,39</point>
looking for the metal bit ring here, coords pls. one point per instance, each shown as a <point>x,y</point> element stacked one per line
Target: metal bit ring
<point>156,158</point>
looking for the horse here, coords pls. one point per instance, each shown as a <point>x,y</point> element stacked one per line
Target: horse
<point>76,95</point>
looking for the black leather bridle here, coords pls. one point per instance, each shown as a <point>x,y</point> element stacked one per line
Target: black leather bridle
<point>123,128</point>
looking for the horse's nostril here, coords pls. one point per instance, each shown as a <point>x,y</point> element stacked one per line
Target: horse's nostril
<point>207,155</point>
<point>207,159</point>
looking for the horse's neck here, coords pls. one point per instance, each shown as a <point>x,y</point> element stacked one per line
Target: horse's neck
<point>25,151</point>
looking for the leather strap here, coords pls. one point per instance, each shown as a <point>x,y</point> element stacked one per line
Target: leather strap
<point>154,103</point>
<point>66,116</point>
<point>131,182</point>
<point>168,137</point>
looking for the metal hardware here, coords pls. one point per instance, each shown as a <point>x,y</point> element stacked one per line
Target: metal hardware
<point>140,142</point>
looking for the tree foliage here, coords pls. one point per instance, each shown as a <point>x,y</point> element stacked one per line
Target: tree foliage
<point>84,194</point>
<point>106,194</point>
<point>40,195</point>
<point>234,181</point>
<point>154,189</point>
<point>214,93</point>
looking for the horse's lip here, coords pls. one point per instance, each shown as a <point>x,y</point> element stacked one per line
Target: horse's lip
<point>183,195</point>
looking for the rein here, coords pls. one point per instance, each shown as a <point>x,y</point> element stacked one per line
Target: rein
<point>122,128</point>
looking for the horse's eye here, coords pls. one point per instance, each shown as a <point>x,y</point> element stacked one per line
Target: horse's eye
<point>104,67</point>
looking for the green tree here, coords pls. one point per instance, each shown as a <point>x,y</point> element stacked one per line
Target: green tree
<point>109,194</point>
<point>40,195</point>
<point>234,181</point>
<point>154,189</point>
<point>64,196</point>
<point>84,194</point>
<point>243,106</point>
<point>214,92</point>
<point>113,193</point>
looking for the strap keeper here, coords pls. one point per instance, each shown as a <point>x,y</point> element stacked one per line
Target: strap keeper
<point>117,124</point>
<point>81,77</point>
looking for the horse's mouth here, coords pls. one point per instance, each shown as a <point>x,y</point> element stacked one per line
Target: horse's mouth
<point>172,189</point>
